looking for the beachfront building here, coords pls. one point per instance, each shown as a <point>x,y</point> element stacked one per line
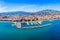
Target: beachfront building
<point>19,18</point>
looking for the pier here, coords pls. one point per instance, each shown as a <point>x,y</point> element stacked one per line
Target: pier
<point>38,26</point>
<point>18,24</point>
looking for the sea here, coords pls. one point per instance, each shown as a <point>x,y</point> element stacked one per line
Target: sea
<point>51,32</point>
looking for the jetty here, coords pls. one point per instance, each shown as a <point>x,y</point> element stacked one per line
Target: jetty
<point>18,24</point>
<point>38,26</point>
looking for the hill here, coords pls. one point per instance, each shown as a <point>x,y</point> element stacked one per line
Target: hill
<point>43,12</point>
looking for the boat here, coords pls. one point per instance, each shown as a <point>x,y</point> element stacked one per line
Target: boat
<point>33,24</point>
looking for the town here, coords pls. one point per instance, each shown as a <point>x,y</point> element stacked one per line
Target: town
<point>25,18</point>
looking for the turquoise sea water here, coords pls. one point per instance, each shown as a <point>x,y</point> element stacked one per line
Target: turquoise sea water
<point>52,32</point>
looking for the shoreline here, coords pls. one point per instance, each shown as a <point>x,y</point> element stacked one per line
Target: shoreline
<point>18,24</point>
<point>37,26</point>
<point>29,21</point>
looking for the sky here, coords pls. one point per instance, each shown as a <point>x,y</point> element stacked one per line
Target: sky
<point>28,5</point>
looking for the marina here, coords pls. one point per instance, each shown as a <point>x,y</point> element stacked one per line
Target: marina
<point>46,29</point>
<point>29,24</point>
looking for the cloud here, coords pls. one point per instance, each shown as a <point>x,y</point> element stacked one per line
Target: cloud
<point>29,8</point>
<point>2,8</point>
<point>21,7</point>
<point>26,7</point>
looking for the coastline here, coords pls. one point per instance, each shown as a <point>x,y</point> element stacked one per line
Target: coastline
<point>18,24</point>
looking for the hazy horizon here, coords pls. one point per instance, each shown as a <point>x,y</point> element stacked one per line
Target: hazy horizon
<point>28,5</point>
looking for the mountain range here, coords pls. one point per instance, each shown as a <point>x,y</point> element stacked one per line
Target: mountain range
<point>43,12</point>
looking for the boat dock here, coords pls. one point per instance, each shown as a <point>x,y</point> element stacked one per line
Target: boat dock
<point>18,24</point>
